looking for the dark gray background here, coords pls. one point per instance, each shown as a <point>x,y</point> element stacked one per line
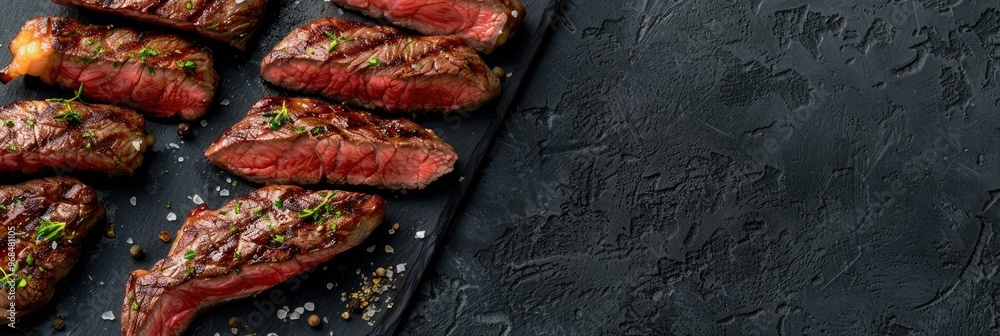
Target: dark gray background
<point>738,166</point>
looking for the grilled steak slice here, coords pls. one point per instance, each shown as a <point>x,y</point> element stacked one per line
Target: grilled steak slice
<point>485,24</point>
<point>38,136</point>
<point>249,245</point>
<point>305,141</point>
<point>161,75</point>
<point>232,22</point>
<point>381,67</point>
<point>45,220</point>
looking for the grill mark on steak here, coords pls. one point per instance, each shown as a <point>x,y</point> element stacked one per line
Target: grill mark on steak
<point>203,268</point>
<point>348,147</point>
<point>485,24</point>
<point>34,138</point>
<point>161,75</point>
<point>231,22</point>
<point>378,67</point>
<point>24,207</point>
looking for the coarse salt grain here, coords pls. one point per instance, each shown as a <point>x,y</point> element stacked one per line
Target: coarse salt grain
<point>171,217</point>
<point>129,240</point>
<point>370,249</point>
<point>55,244</point>
<point>293,316</point>
<point>224,192</point>
<point>420,234</point>
<point>401,268</point>
<point>137,144</point>
<point>108,315</point>
<point>204,123</point>
<point>197,200</point>
<point>180,159</point>
<point>300,310</point>
<point>224,102</point>
<point>309,306</point>
<point>235,331</point>
<point>329,285</point>
<point>132,201</point>
<point>173,145</point>
<point>282,314</point>
<point>389,249</point>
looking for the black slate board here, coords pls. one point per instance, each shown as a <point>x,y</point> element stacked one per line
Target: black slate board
<point>96,284</point>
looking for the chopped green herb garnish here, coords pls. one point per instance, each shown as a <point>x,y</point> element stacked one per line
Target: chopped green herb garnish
<point>300,131</point>
<point>232,228</point>
<point>30,259</point>
<point>90,42</point>
<point>49,230</point>
<point>374,62</point>
<point>9,123</point>
<point>135,306</point>
<point>234,183</point>
<point>189,5</point>
<point>69,115</point>
<point>337,213</point>
<point>213,26</point>
<point>279,117</point>
<point>30,122</point>
<point>317,130</point>
<point>258,212</point>
<point>270,227</point>
<point>409,40</point>
<point>12,148</point>
<point>314,213</point>
<point>168,205</point>
<point>146,53</point>
<point>189,66</point>
<point>189,255</point>
<point>223,212</point>
<point>279,238</point>
<point>237,255</point>
<point>237,208</point>
<point>279,204</point>
<point>89,134</point>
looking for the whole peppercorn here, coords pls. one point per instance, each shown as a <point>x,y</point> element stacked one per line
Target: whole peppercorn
<point>165,236</point>
<point>314,320</point>
<point>184,130</point>
<point>234,322</point>
<point>58,324</point>
<point>136,251</point>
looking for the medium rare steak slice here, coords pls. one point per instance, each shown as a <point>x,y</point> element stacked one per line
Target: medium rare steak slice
<point>45,220</point>
<point>485,24</point>
<point>232,21</point>
<point>160,75</point>
<point>249,245</point>
<point>37,136</point>
<point>305,141</point>
<point>379,67</point>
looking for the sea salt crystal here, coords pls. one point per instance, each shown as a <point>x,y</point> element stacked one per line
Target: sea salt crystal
<point>370,313</point>
<point>268,334</point>
<point>293,316</point>
<point>310,306</point>
<point>370,249</point>
<point>137,144</point>
<point>401,268</point>
<point>282,314</point>
<point>235,331</point>
<point>129,240</point>
<point>225,102</point>
<point>204,123</point>
<point>229,180</point>
<point>171,217</point>
<point>54,245</point>
<point>173,145</point>
<point>300,310</point>
<point>197,200</point>
<point>108,315</point>
<point>217,188</point>
<point>329,285</point>
<point>420,234</point>
<point>389,249</point>
<point>132,201</point>
<point>388,274</point>
<point>216,334</point>
<point>180,159</point>
<point>325,320</point>
<point>102,283</point>
<point>224,192</point>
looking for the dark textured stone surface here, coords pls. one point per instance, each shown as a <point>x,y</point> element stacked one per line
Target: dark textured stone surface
<point>742,167</point>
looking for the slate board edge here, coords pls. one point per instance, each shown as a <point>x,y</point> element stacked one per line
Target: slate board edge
<point>447,217</point>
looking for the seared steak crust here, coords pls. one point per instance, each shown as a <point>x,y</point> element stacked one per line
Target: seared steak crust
<point>378,67</point>
<point>485,24</point>
<point>32,210</point>
<point>39,136</point>
<point>160,75</point>
<point>250,244</point>
<point>318,141</point>
<point>231,21</point>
